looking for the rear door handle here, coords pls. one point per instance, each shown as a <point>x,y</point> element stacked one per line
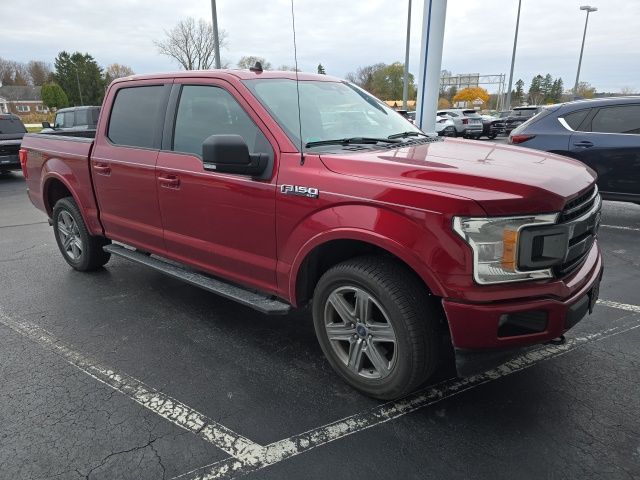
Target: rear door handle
<point>102,169</point>
<point>583,144</point>
<point>169,181</point>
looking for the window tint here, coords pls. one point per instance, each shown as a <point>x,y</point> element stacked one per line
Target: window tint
<point>11,125</point>
<point>620,119</point>
<point>134,116</point>
<point>82,117</point>
<point>204,111</point>
<point>68,119</point>
<point>574,119</point>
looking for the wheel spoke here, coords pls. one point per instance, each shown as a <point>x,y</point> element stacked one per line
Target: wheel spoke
<point>380,363</point>
<point>78,243</point>
<point>381,332</point>
<point>75,251</point>
<point>342,308</point>
<point>363,306</point>
<point>340,331</point>
<point>63,229</point>
<point>355,356</point>
<point>68,241</point>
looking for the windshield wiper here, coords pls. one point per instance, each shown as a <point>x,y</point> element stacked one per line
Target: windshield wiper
<point>352,140</point>
<point>411,133</point>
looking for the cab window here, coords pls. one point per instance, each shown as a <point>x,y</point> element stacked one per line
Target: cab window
<point>205,110</point>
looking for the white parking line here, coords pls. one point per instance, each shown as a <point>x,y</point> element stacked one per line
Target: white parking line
<point>176,412</point>
<point>297,444</point>
<point>619,227</point>
<point>620,306</point>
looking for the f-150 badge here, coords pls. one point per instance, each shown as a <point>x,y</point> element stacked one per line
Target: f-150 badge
<point>300,191</point>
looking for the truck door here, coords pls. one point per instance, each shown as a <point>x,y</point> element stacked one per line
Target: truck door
<point>611,146</point>
<point>219,222</point>
<point>123,165</point>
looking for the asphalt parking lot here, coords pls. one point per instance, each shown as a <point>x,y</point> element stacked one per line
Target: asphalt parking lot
<point>127,374</point>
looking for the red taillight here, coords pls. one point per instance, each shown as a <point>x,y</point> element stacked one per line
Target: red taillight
<point>516,139</point>
<point>465,121</point>
<point>22,155</point>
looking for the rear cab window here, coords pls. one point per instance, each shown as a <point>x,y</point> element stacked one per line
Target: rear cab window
<point>135,114</point>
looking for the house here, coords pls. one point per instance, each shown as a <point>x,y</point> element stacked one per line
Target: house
<point>21,100</point>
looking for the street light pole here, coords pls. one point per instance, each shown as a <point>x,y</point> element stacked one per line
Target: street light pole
<point>513,58</point>
<point>589,9</point>
<point>77,80</point>
<point>405,87</point>
<point>216,42</point>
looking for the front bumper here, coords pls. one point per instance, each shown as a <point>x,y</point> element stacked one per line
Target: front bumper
<point>9,162</point>
<point>477,326</point>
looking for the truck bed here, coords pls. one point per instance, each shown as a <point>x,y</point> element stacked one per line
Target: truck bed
<point>64,160</point>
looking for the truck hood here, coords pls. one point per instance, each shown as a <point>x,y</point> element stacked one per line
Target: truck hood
<point>503,179</point>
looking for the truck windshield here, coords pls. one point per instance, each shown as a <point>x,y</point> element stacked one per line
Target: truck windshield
<point>11,125</point>
<point>328,110</point>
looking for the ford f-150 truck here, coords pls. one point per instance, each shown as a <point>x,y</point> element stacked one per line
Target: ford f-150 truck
<point>280,192</point>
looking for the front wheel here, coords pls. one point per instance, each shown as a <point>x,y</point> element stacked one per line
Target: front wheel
<point>375,324</point>
<point>81,250</point>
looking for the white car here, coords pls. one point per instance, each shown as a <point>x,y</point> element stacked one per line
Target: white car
<point>445,127</point>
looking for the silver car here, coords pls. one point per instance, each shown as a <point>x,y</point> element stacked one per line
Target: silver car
<point>467,122</point>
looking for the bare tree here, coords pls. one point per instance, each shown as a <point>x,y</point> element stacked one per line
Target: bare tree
<point>13,73</point>
<point>628,91</point>
<point>39,72</point>
<point>191,44</point>
<point>250,61</point>
<point>115,70</point>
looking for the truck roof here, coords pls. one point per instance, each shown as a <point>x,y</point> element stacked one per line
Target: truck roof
<point>239,74</point>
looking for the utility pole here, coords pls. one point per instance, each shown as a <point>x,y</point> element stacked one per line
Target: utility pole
<point>216,41</point>
<point>405,87</point>
<point>513,58</point>
<point>589,9</point>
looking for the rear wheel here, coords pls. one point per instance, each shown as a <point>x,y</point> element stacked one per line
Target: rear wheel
<point>81,250</point>
<point>376,327</point>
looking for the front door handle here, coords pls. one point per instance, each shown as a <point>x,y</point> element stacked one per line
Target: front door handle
<point>169,181</point>
<point>583,144</point>
<point>102,169</point>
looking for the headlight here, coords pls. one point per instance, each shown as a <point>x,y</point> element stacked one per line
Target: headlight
<point>494,241</point>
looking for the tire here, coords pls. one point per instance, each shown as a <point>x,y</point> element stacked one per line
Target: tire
<point>80,250</point>
<point>492,136</point>
<point>400,317</point>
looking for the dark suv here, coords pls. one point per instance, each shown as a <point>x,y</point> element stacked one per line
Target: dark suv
<point>511,119</point>
<point>603,133</point>
<point>73,119</point>
<point>11,132</point>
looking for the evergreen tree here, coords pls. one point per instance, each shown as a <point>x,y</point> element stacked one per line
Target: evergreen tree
<point>53,96</point>
<point>321,70</point>
<point>556,91</point>
<point>518,93</point>
<point>80,77</point>
<point>545,87</point>
<point>535,90</point>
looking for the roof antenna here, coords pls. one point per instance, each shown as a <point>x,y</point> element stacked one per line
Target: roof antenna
<point>295,56</point>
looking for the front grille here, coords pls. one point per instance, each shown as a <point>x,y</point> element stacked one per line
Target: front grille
<point>579,205</point>
<point>581,216</point>
<point>9,149</point>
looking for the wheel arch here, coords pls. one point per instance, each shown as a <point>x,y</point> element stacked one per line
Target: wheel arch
<point>330,248</point>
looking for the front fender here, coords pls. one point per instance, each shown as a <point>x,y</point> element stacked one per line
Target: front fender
<point>410,235</point>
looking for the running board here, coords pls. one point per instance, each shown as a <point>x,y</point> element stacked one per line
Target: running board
<point>262,303</point>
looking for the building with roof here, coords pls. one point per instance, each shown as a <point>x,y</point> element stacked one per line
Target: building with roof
<point>21,100</point>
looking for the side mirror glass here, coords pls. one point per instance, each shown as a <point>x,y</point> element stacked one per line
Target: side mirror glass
<point>230,154</point>
<point>46,125</point>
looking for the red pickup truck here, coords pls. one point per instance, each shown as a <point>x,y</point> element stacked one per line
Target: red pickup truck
<point>398,240</point>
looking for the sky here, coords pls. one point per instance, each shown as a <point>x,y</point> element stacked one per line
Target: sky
<point>342,34</point>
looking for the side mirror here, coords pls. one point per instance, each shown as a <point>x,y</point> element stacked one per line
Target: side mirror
<point>46,125</point>
<point>230,154</point>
